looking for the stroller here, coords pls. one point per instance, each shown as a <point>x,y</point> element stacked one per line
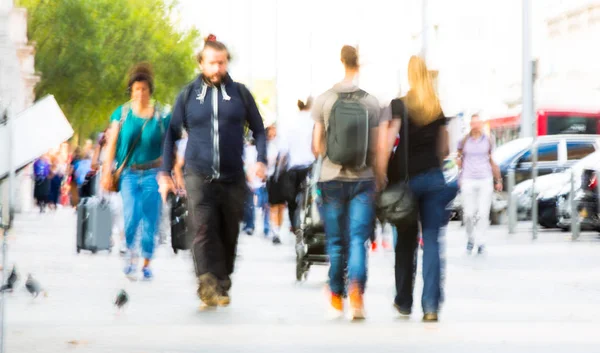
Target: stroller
<point>310,238</point>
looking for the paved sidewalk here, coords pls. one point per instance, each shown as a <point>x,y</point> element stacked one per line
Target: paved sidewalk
<point>523,296</point>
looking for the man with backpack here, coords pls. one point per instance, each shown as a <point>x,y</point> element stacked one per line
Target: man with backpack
<point>479,176</point>
<point>345,133</point>
<point>214,110</point>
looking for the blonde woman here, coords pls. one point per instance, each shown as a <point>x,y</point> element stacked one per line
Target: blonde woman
<point>427,147</point>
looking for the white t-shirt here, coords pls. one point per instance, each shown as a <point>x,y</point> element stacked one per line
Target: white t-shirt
<point>296,140</point>
<point>272,153</point>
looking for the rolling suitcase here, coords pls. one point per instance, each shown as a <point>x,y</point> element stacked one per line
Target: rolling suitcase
<point>179,214</point>
<point>94,225</point>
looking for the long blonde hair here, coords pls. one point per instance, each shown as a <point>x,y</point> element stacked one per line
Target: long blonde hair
<point>421,101</point>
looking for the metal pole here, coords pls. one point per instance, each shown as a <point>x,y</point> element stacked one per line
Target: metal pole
<point>575,227</point>
<point>527,115</point>
<point>534,204</point>
<point>6,224</point>
<point>512,204</point>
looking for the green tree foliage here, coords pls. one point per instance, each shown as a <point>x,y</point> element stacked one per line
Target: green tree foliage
<point>85,48</point>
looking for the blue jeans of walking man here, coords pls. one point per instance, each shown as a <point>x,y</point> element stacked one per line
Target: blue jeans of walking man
<point>349,212</point>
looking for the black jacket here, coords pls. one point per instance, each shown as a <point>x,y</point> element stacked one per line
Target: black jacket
<point>215,118</point>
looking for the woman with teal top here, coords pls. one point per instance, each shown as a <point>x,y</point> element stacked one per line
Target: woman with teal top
<point>134,148</point>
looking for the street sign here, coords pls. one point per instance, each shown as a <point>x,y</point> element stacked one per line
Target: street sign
<point>36,130</point>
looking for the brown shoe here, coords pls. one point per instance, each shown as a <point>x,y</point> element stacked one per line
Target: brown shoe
<point>208,289</point>
<point>223,299</point>
<point>357,310</point>
<point>430,317</point>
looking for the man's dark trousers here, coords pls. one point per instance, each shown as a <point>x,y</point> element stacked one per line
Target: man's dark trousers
<point>216,208</point>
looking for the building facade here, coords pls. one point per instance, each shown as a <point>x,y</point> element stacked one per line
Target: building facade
<point>17,87</point>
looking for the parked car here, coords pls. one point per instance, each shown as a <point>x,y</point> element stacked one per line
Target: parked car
<point>451,173</point>
<point>548,188</point>
<point>586,198</point>
<point>517,154</point>
<point>523,192</point>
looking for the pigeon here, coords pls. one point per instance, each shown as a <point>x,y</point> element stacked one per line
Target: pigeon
<point>122,299</point>
<point>33,287</point>
<point>10,282</point>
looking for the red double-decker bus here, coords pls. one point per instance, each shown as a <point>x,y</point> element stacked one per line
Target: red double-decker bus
<point>550,122</point>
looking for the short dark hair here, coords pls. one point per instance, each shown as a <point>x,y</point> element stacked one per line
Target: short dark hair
<point>349,57</point>
<point>304,105</point>
<point>215,45</point>
<point>141,72</point>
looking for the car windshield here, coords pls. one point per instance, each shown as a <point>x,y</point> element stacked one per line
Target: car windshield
<point>505,152</point>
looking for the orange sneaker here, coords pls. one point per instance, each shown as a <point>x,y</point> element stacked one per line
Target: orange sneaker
<point>374,246</point>
<point>337,302</point>
<point>357,310</point>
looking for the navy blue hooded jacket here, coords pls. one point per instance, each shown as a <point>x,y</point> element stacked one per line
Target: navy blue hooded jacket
<point>215,117</point>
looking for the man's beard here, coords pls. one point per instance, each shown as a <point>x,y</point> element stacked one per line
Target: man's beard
<point>215,79</point>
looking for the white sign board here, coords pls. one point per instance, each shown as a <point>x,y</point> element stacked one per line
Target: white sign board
<point>36,130</point>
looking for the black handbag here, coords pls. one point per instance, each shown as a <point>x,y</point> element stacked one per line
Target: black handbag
<point>397,204</point>
<point>278,185</point>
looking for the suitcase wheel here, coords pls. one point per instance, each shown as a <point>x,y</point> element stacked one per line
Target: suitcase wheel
<point>175,251</point>
<point>94,250</point>
<point>78,249</point>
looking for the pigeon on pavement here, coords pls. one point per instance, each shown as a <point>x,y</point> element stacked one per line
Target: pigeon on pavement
<point>33,286</point>
<point>10,282</point>
<point>122,299</point>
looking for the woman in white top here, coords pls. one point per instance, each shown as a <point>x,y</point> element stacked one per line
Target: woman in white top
<point>296,142</point>
<point>276,199</point>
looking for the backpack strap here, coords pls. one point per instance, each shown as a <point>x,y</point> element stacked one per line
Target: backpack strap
<point>245,95</point>
<point>185,95</point>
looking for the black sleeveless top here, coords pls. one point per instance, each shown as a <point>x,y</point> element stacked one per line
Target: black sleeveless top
<point>423,151</point>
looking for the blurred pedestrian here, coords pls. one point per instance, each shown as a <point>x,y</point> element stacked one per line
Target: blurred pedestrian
<point>135,141</point>
<point>41,171</point>
<point>427,147</point>
<point>258,192</point>
<point>479,175</point>
<point>277,165</point>
<point>345,134</point>
<point>214,110</point>
<point>295,141</point>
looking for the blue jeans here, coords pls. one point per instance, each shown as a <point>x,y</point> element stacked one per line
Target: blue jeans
<point>349,214</point>
<point>432,196</point>
<point>141,207</point>
<point>262,203</point>
<point>249,213</point>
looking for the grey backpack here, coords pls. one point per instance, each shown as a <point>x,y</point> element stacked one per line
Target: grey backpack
<point>348,131</point>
